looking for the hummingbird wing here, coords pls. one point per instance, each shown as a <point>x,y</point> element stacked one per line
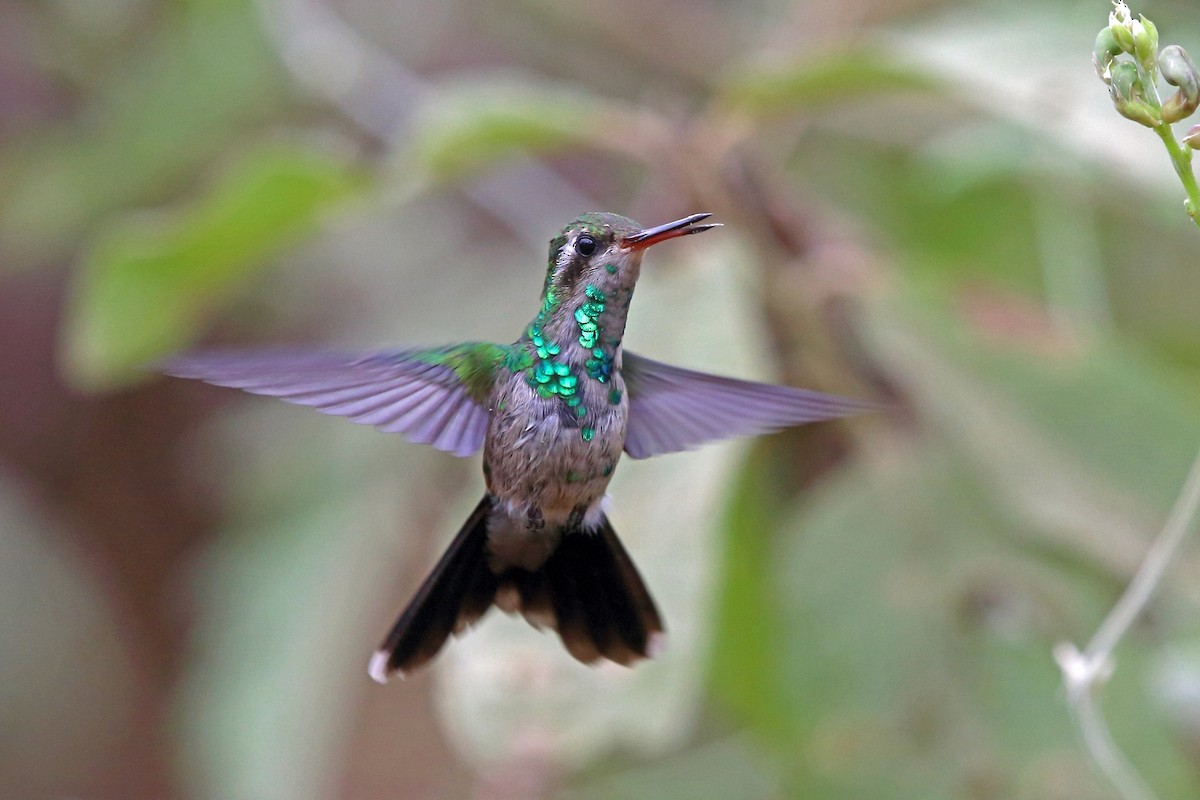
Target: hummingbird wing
<point>673,409</point>
<point>434,396</point>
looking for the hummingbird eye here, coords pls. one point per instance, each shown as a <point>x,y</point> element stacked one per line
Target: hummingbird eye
<point>585,245</point>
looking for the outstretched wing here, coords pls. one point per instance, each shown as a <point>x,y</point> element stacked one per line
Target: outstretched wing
<point>434,396</point>
<point>672,409</point>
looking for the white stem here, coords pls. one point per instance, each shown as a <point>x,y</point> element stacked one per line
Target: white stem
<point>1084,673</point>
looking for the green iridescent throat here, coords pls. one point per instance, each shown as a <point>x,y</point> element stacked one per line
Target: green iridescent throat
<point>547,374</point>
<point>599,366</point>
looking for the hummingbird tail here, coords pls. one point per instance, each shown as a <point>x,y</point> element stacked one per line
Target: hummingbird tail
<point>456,593</point>
<point>600,604</point>
<point>588,589</point>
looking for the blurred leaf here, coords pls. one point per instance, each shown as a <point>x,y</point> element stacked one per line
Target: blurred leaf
<point>919,636</point>
<point>915,605</point>
<point>197,84</point>
<point>825,79</point>
<point>149,281</point>
<point>746,665</point>
<point>287,603</point>
<point>470,125</point>
<point>1083,443</point>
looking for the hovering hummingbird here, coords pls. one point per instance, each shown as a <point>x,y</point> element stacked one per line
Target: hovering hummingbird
<point>553,413</point>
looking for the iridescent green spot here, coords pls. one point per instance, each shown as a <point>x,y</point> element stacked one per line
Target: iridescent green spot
<point>612,268</point>
<point>574,477</point>
<point>518,359</point>
<point>587,433</point>
<point>608,469</point>
<point>594,293</point>
<point>600,367</point>
<point>580,411</point>
<point>614,397</point>
<point>574,401</point>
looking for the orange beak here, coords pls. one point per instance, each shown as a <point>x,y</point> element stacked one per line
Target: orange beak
<point>680,227</point>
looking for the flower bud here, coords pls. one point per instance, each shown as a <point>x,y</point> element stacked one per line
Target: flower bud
<point>1178,70</point>
<point>1192,137</point>
<point>1126,83</point>
<point>1121,24</point>
<point>1145,42</point>
<point>1120,14</point>
<point>1128,95</point>
<point>1104,53</point>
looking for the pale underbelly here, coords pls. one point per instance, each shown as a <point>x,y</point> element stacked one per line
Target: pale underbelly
<point>558,468</point>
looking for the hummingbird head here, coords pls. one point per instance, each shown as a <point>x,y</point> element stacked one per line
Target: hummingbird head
<point>604,251</point>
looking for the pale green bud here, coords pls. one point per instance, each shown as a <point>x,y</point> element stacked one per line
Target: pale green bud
<point>1128,95</point>
<point>1145,41</point>
<point>1126,83</point>
<point>1104,53</point>
<point>1178,70</point>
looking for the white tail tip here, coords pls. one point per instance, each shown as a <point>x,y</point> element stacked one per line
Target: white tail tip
<point>657,645</point>
<point>378,667</point>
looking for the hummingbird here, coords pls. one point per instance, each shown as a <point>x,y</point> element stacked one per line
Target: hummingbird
<point>553,412</point>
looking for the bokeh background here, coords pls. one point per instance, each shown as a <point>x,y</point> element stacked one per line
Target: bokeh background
<point>928,203</point>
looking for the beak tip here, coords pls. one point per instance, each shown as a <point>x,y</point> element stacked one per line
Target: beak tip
<point>680,227</point>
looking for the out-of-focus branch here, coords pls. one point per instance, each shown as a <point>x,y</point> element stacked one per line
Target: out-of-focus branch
<point>380,95</point>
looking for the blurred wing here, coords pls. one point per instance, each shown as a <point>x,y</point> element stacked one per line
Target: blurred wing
<point>433,396</point>
<point>672,409</point>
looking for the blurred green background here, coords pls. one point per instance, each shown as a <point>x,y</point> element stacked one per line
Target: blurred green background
<point>931,203</point>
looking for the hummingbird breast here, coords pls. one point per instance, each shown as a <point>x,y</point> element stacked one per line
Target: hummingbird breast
<point>548,463</point>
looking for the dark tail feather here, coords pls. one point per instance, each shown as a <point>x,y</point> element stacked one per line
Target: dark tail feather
<point>597,598</point>
<point>458,591</point>
<point>588,589</point>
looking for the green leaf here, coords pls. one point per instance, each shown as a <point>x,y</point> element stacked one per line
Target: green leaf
<point>746,668</point>
<point>821,81</point>
<point>149,281</point>
<point>912,605</point>
<point>471,125</point>
<point>173,104</point>
<point>917,633</point>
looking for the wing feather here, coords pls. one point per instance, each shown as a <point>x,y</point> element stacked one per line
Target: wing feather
<point>673,409</point>
<point>433,396</point>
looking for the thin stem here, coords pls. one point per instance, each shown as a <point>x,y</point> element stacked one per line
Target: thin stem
<point>1084,673</point>
<point>1105,753</point>
<point>1181,160</point>
<point>1137,594</point>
